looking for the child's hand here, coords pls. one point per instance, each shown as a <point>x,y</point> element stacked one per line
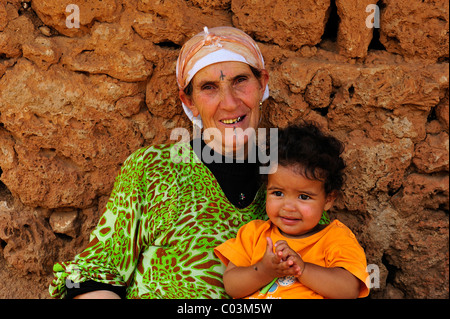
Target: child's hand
<point>284,262</point>
<point>289,256</point>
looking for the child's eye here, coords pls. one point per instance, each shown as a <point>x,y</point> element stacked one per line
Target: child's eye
<point>277,193</point>
<point>304,197</point>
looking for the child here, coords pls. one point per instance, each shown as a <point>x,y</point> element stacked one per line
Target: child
<point>292,254</point>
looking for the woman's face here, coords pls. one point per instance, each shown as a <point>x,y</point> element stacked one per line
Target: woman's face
<point>227,95</point>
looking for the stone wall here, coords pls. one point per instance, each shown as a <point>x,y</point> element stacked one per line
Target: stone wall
<point>75,102</point>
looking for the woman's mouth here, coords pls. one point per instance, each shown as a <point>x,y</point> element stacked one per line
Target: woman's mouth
<point>234,120</point>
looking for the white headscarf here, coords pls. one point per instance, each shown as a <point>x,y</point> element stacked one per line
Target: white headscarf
<point>221,44</point>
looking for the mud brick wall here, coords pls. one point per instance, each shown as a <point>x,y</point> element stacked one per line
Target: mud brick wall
<point>76,100</point>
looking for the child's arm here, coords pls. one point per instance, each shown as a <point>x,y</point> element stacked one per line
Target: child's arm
<point>243,281</point>
<point>335,282</point>
<point>328,282</point>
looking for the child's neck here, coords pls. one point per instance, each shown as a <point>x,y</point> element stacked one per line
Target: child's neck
<point>310,232</point>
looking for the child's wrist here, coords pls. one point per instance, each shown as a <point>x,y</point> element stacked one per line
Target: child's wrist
<point>302,271</point>
<point>262,272</point>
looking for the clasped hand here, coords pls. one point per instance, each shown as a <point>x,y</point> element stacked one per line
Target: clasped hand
<point>284,261</point>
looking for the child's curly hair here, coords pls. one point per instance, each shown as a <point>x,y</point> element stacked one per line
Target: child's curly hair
<point>313,154</point>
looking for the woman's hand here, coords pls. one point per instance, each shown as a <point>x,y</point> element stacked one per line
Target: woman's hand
<point>98,294</point>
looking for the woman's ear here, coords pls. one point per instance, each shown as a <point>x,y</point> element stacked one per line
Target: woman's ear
<point>188,101</point>
<point>264,79</point>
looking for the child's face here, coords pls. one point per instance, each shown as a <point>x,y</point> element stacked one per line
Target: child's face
<point>294,203</point>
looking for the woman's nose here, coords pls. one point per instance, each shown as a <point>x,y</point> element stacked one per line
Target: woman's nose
<point>229,100</point>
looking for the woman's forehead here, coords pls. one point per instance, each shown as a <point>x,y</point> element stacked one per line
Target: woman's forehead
<point>222,69</point>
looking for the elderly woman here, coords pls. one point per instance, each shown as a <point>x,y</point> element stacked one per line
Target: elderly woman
<point>156,236</point>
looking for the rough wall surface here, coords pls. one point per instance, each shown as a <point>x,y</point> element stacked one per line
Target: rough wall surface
<point>75,102</point>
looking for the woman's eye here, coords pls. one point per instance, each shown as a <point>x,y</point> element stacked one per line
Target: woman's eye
<point>304,197</point>
<point>241,79</point>
<point>277,193</point>
<point>207,87</point>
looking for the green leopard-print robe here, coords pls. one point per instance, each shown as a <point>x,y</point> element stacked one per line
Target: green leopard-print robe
<point>165,216</point>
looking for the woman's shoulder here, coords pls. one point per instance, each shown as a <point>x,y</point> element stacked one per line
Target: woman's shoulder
<point>156,154</point>
<point>155,148</point>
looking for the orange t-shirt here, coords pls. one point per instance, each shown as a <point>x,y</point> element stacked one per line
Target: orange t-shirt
<point>333,246</point>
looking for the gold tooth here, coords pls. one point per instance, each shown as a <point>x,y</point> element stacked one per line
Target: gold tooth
<point>232,121</point>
